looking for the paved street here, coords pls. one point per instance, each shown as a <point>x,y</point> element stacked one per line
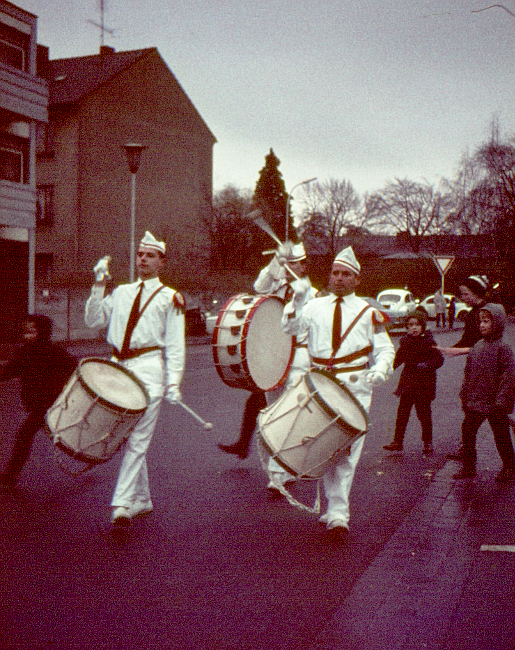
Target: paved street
<point>218,565</point>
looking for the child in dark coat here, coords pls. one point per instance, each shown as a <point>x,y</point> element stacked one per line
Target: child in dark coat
<point>417,383</point>
<point>43,368</point>
<point>488,393</point>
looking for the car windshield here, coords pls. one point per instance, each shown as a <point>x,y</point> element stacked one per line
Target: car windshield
<point>389,297</point>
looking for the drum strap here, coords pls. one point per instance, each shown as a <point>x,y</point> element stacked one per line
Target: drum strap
<point>331,361</point>
<point>347,359</point>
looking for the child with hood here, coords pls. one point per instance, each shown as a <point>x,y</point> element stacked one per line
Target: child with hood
<point>43,369</point>
<point>417,383</point>
<point>488,393</point>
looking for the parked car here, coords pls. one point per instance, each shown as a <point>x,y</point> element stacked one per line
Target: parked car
<point>396,319</point>
<point>397,300</point>
<point>428,305</point>
<point>195,322</point>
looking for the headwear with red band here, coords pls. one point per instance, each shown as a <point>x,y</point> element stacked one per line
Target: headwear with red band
<point>347,258</point>
<point>149,241</point>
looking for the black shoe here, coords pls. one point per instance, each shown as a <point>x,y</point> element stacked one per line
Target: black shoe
<point>338,534</point>
<point>466,472</point>
<point>505,475</point>
<point>393,446</point>
<point>428,450</point>
<point>235,449</point>
<point>273,493</point>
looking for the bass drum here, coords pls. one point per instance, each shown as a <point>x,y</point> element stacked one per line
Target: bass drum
<point>250,349</point>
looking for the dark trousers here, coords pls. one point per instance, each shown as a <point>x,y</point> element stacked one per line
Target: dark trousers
<point>256,401</point>
<point>440,317</point>
<point>22,446</point>
<point>501,429</point>
<point>423,409</point>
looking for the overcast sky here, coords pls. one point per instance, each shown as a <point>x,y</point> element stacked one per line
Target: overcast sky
<point>362,90</point>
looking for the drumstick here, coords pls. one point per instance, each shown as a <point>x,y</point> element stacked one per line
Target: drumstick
<point>259,221</point>
<point>207,425</point>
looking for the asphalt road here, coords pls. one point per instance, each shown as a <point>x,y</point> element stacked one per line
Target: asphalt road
<point>217,565</point>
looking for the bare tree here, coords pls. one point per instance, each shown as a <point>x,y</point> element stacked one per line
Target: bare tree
<point>331,210</point>
<point>414,209</point>
<point>230,232</point>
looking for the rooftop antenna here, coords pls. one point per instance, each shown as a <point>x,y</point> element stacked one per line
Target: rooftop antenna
<point>101,24</point>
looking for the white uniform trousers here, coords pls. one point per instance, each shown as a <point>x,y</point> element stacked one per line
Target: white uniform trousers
<point>132,484</point>
<point>300,366</point>
<point>337,483</point>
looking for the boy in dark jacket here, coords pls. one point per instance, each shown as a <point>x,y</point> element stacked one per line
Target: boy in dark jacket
<point>488,393</point>
<point>43,368</point>
<point>417,383</point>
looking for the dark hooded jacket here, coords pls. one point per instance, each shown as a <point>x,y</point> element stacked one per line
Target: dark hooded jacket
<point>489,378</point>
<point>421,360</point>
<point>43,368</point>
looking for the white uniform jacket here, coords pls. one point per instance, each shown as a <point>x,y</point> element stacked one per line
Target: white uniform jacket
<point>162,324</point>
<point>313,324</point>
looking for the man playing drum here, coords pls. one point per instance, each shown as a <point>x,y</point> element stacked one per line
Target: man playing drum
<point>275,280</point>
<point>145,323</point>
<point>341,331</point>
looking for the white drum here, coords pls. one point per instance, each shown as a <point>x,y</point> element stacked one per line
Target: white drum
<point>250,349</point>
<point>97,410</point>
<point>311,425</point>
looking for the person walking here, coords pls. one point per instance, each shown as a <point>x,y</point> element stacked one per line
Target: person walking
<point>488,393</point>
<point>440,308</point>
<point>451,312</point>
<point>43,368</point>
<point>145,321</point>
<point>417,383</point>
<point>343,332</point>
<point>274,280</point>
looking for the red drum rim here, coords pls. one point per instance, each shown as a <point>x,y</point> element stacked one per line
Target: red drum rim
<point>247,382</point>
<point>101,400</point>
<point>325,406</point>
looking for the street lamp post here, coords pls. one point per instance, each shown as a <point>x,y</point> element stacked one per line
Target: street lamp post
<point>133,152</point>
<point>310,180</point>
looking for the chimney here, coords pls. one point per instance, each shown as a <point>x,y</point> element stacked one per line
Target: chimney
<point>105,50</point>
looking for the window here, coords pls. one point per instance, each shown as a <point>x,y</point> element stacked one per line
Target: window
<point>14,47</point>
<point>14,158</point>
<point>44,205</point>
<point>45,139</point>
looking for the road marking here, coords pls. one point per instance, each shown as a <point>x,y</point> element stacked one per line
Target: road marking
<point>497,547</point>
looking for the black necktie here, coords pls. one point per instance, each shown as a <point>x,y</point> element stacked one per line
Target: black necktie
<point>133,319</point>
<point>337,325</point>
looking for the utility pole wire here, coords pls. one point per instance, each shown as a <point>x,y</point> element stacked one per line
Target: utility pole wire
<point>476,11</point>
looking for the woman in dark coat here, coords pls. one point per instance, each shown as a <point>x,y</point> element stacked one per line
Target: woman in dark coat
<point>417,383</point>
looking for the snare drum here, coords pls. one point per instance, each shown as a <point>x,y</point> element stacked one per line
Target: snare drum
<point>97,410</point>
<point>250,349</point>
<point>311,425</point>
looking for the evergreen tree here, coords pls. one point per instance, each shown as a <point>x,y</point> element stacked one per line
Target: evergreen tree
<point>271,198</point>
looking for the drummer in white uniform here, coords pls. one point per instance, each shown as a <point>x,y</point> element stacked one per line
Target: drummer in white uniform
<point>145,323</point>
<point>275,280</point>
<point>346,337</point>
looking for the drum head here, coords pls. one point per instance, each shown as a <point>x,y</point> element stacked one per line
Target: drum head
<point>268,350</point>
<point>114,384</point>
<point>337,400</point>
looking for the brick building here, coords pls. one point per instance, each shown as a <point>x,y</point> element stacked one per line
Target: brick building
<point>96,105</point>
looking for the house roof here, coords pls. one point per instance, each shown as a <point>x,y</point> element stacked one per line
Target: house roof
<point>72,79</point>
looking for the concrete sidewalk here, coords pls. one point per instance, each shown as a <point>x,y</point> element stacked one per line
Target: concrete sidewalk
<point>446,579</point>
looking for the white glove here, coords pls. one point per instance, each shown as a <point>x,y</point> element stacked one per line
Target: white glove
<point>283,252</point>
<point>173,394</point>
<point>275,269</point>
<point>301,288</point>
<point>101,270</point>
<point>376,377</point>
